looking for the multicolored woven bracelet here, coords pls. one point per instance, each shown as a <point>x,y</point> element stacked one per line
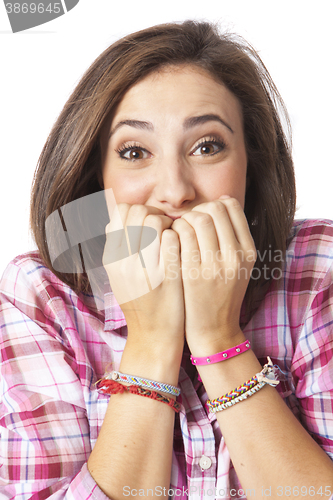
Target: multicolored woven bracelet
<point>107,386</point>
<point>266,376</point>
<point>143,382</point>
<point>243,396</point>
<point>234,393</point>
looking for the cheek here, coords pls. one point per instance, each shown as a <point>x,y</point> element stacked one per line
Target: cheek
<point>127,188</point>
<point>229,180</point>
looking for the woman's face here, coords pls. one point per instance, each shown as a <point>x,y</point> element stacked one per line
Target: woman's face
<point>176,141</point>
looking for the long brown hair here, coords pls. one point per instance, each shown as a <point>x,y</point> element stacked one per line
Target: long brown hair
<point>70,163</point>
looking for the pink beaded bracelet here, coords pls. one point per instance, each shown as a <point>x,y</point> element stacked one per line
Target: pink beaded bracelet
<point>221,356</point>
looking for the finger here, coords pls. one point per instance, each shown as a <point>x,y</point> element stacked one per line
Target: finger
<point>117,228</point>
<point>170,251</point>
<point>226,236</point>
<point>239,222</point>
<point>189,247</point>
<point>207,239</point>
<point>135,221</point>
<point>137,213</point>
<point>113,209</point>
<point>151,247</point>
<point>116,245</point>
<point>118,212</point>
<point>159,223</point>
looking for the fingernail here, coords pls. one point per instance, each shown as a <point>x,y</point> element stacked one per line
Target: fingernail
<point>224,197</point>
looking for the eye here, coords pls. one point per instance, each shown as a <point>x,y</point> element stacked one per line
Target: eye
<point>208,147</point>
<point>132,153</point>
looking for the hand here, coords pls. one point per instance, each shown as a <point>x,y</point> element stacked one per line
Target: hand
<point>217,256</point>
<point>154,314</point>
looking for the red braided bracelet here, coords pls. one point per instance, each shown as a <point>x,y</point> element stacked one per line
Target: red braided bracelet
<point>107,386</point>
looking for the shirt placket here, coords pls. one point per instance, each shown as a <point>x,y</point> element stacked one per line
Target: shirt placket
<point>199,443</point>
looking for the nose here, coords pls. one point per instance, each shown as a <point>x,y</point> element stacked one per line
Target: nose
<point>175,187</point>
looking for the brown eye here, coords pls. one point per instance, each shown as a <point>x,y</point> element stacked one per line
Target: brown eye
<point>208,148</point>
<point>132,153</point>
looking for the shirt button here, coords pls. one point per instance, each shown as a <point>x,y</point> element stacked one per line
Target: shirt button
<point>205,462</point>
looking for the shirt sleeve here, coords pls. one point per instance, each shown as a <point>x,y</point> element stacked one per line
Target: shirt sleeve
<point>45,436</point>
<point>312,366</point>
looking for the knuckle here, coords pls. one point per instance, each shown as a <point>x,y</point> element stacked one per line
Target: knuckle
<point>122,208</point>
<point>214,206</point>
<point>153,220</point>
<point>203,219</point>
<point>137,209</point>
<point>177,224</point>
<point>119,210</point>
<point>170,234</point>
<point>170,238</point>
<point>188,233</point>
<point>235,204</point>
<point>182,227</point>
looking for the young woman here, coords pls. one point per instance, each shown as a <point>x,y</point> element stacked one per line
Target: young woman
<point>181,125</point>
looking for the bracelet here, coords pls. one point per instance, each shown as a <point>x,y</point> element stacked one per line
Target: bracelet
<point>234,393</point>
<point>265,376</point>
<point>221,356</point>
<point>144,382</point>
<point>240,398</point>
<point>107,386</point>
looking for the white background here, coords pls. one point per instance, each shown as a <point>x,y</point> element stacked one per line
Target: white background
<point>41,66</point>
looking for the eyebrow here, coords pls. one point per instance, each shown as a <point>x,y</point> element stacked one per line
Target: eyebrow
<point>198,120</point>
<point>190,122</point>
<point>133,123</point>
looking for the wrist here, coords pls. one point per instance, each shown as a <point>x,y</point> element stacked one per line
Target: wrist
<point>152,363</point>
<point>220,378</point>
<point>222,355</point>
<point>207,345</point>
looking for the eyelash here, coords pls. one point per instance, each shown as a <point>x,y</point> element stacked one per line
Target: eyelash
<point>217,141</point>
<point>125,148</point>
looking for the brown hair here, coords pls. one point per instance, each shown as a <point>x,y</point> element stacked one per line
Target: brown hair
<point>70,163</point>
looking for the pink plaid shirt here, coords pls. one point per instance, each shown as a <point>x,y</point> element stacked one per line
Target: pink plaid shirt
<point>55,345</point>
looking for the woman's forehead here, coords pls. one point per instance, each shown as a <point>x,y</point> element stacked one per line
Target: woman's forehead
<point>179,91</point>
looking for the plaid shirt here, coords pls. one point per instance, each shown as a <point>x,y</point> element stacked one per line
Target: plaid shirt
<point>55,345</point>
